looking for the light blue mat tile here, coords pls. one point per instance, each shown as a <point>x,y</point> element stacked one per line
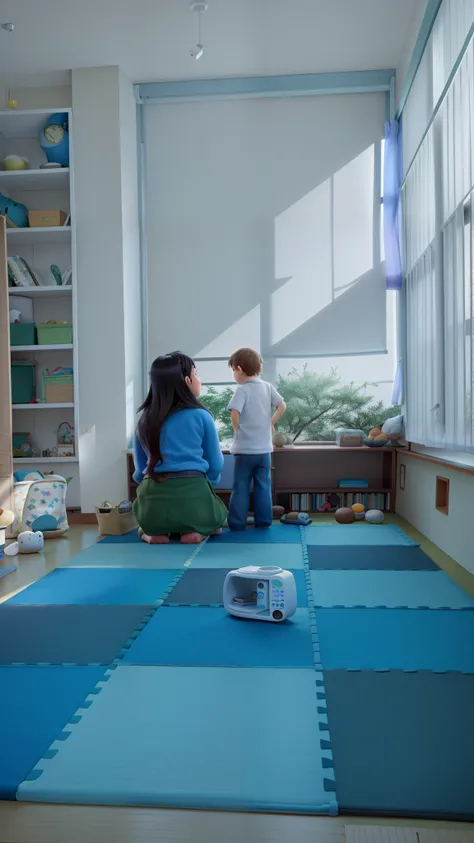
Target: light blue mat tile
<point>209,637</point>
<point>139,555</point>
<point>399,639</point>
<point>393,589</point>
<point>212,738</point>
<point>276,533</point>
<point>232,555</point>
<point>358,534</point>
<point>98,586</point>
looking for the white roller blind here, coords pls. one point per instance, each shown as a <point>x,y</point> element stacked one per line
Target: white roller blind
<point>450,30</point>
<point>263,226</point>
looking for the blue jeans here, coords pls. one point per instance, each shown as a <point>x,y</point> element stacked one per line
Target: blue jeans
<point>248,467</point>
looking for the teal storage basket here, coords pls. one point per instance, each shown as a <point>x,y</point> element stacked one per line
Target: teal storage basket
<point>22,333</point>
<point>23,375</point>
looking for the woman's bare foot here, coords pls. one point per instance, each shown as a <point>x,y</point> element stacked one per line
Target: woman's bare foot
<point>155,539</point>
<point>192,538</point>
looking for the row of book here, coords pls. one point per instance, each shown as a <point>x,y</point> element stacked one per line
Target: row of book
<point>330,501</point>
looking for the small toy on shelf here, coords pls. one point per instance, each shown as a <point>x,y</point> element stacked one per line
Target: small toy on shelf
<point>15,162</point>
<point>65,446</point>
<point>54,139</point>
<point>393,428</point>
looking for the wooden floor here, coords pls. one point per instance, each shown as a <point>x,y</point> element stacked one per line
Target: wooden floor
<point>30,823</point>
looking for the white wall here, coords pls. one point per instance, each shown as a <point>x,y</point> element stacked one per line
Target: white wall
<point>409,44</point>
<point>53,96</point>
<point>453,533</point>
<point>134,387</point>
<point>107,266</point>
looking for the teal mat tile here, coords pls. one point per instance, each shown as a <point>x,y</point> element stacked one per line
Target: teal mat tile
<point>393,589</point>
<point>358,534</point>
<point>275,534</point>
<point>211,738</point>
<point>396,639</point>
<point>209,637</point>
<point>138,555</point>
<point>359,557</point>
<point>231,555</point>
<point>403,743</point>
<point>98,586</point>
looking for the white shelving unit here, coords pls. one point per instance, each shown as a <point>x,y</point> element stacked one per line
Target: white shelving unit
<point>43,190</point>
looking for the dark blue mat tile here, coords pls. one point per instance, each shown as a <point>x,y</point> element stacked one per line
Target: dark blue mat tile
<point>66,634</point>
<point>396,639</point>
<point>127,538</point>
<point>204,587</point>
<point>274,534</point>
<point>98,586</point>
<point>209,637</point>
<point>360,558</point>
<point>402,743</point>
<point>35,705</point>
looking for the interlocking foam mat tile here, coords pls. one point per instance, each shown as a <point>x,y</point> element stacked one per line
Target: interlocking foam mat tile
<point>210,637</point>
<point>274,534</point>
<point>361,557</point>
<point>214,738</point>
<point>343,535</point>
<point>97,586</point>
<point>204,587</point>
<point>138,555</point>
<point>396,639</point>
<point>66,634</point>
<point>288,556</point>
<point>35,704</point>
<point>403,743</point>
<point>127,538</point>
<point>390,589</point>
<point>6,569</point>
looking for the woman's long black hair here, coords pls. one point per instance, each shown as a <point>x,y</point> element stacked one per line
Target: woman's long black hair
<point>168,394</point>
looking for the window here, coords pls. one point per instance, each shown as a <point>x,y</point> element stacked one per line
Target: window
<point>437,204</point>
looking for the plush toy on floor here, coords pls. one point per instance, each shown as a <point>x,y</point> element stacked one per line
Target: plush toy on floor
<point>6,520</point>
<point>298,519</point>
<point>28,542</point>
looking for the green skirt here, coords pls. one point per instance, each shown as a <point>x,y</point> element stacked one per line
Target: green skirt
<point>181,505</point>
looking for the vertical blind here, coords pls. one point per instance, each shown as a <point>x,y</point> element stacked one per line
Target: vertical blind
<point>437,201</point>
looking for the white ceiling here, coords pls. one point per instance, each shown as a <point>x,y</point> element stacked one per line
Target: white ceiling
<point>151,39</point>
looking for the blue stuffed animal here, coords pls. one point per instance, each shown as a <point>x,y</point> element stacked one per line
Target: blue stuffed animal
<point>15,212</point>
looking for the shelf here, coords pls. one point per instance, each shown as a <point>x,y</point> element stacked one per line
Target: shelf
<point>57,179</point>
<point>370,491</point>
<point>42,406</point>
<point>39,291</point>
<point>27,123</point>
<point>57,347</point>
<point>36,236</point>
<point>43,460</point>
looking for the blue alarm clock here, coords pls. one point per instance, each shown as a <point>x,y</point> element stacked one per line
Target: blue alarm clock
<point>54,139</point>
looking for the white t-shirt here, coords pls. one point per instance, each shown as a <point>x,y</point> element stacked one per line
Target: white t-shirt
<point>255,401</point>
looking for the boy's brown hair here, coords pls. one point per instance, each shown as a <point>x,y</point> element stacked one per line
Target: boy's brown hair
<point>248,360</point>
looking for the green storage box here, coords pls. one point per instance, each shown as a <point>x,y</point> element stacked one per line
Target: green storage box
<point>23,381</point>
<point>57,389</point>
<point>22,333</point>
<point>50,333</point>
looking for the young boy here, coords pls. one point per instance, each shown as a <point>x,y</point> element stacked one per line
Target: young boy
<point>253,418</point>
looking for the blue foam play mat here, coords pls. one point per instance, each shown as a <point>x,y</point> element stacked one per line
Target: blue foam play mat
<point>124,678</point>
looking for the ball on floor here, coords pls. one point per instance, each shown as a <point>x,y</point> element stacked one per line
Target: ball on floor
<point>375,516</point>
<point>344,515</point>
<point>359,511</point>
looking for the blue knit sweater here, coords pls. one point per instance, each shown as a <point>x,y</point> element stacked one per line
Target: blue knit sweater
<point>189,442</point>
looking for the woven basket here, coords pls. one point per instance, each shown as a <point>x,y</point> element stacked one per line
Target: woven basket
<point>113,522</point>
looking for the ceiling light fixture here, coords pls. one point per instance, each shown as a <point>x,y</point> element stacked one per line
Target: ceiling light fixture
<point>8,27</point>
<point>198,7</point>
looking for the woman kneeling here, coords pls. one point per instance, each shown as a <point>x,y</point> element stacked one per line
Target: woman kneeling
<point>177,457</point>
